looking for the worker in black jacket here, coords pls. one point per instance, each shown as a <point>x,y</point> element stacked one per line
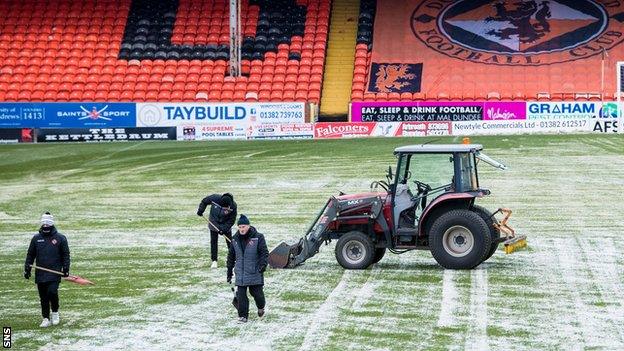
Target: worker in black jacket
<point>221,220</point>
<point>50,249</point>
<point>248,258</point>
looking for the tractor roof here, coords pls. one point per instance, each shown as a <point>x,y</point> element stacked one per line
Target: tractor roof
<point>438,148</point>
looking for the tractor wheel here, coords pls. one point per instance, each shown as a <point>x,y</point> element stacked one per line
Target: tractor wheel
<point>490,221</point>
<point>354,250</point>
<point>459,239</point>
<point>379,254</point>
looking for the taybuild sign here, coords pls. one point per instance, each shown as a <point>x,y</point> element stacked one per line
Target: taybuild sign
<point>67,115</point>
<point>178,114</point>
<point>105,134</point>
<point>436,111</point>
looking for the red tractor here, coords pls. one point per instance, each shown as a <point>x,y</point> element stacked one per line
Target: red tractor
<point>429,204</point>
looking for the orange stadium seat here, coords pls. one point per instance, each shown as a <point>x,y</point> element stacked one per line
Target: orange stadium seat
<point>111,54</point>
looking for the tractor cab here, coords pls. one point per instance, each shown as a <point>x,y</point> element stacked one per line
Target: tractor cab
<point>430,176</point>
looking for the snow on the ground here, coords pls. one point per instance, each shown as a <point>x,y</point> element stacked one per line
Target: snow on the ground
<point>563,293</point>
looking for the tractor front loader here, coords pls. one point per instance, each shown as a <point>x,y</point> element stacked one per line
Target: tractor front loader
<point>361,209</point>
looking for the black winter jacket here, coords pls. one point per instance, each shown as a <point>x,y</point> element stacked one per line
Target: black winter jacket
<point>248,257</point>
<point>51,251</point>
<point>223,219</point>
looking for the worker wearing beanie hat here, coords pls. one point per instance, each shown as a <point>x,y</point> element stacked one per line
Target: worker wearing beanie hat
<point>51,250</point>
<point>248,258</point>
<point>220,222</point>
<point>243,220</point>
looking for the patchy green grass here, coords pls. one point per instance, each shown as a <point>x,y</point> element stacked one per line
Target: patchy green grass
<point>128,210</point>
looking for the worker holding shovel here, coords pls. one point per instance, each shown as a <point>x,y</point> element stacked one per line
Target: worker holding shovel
<point>220,222</point>
<point>248,258</point>
<point>51,251</point>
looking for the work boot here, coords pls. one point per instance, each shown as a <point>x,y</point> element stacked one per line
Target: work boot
<point>214,264</point>
<point>242,320</point>
<point>56,319</point>
<point>45,323</point>
<point>261,312</point>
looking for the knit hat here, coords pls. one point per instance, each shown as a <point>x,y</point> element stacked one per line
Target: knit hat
<point>47,219</point>
<point>243,220</point>
<point>226,200</point>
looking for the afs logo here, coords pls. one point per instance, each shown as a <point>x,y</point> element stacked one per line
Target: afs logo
<point>511,32</point>
<point>609,110</point>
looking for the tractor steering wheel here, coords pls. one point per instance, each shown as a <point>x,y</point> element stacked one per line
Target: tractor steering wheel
<point>422,187</point>
<point>382,184</point>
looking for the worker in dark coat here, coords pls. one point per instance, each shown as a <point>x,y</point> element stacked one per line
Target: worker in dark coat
<point>247,258</point>
<point>50,250</point>
<point>221,219</point>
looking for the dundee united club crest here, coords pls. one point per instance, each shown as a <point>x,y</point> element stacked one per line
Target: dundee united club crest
<point>534,32</point>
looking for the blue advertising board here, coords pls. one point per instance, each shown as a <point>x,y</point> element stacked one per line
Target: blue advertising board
<point>67,115</point>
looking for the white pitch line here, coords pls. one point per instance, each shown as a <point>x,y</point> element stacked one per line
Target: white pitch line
<point>607,278</point>
<point>449,300</point>
<point>114,153</point>
<point>255,153</point>
<point>477,335</point>
<point>315,338</point>
<point>367,290</point>
<point>567,255</point>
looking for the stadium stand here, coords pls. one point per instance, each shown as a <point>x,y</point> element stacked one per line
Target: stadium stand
<point>141,50</point>
<point>335,96</point>
<point>485,50</point>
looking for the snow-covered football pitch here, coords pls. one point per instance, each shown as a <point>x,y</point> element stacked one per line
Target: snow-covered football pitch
<point>128,210</point>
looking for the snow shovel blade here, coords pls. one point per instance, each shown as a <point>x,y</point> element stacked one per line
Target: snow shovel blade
<point>515,243</point>
<point>280,256</point>
<point>78,280</point>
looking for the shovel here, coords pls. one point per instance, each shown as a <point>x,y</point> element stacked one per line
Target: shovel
<point>235,299</point>
<point>216,228</point>
<point>72,278</point>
